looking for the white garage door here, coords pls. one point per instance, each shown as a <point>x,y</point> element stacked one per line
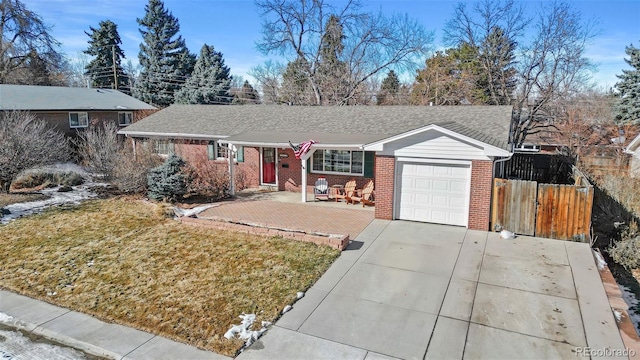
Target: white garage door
<point>436,193</point>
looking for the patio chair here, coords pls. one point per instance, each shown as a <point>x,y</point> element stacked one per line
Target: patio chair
<point>321,189</point>
<point>348,191</point>
<point>366,197</point>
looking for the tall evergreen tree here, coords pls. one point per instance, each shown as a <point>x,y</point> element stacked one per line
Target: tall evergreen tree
<point>296,88</point>
<point>164,57</point>
<point>497,58</point>
<point>210,81</point>
<point>333,74</point>
<point>104,45</point>
<point>628,99</point>
<point>389,89</point>
<point>246,94</point>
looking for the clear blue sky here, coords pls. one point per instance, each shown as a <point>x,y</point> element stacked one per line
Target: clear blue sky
<point>233,27</point>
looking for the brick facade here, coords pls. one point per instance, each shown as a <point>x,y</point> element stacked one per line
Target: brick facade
<point>384,174</point>
<point>247,173</point>
<point>289,178</point>
<point>480,199</point>
<point>290,175</point>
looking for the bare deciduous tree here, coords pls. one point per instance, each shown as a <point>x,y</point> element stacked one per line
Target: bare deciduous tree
<point>99,147</point>
<point>269,77</point>
<point>23,38</point>
<point>371,42</point>
<point>491,28</point>
<point>552,67</point>
<point>27,142</point>
<point>549,67</point>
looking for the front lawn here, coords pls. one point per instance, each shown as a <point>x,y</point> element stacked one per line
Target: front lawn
<point>124,261</point>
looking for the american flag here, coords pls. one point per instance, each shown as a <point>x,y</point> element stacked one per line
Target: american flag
<point>302,148</point>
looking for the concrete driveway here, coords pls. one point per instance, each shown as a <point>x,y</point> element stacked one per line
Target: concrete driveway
<point>412,291</point>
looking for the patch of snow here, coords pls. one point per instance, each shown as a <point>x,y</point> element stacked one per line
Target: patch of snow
<point>76,196</point>
<point>4,318</point>
<point>16,346</point>
<point>618,315</point>
<point>49,293</point>
<point>631,300</point>
<point>90,263</point>
<point>506,234</point>
<point>191,212</point>
<point>599,260</point>
<point>287,308</point>
<point>299,295</point>
<point>243,332</point>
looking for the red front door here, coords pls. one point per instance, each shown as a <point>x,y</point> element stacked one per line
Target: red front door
<point>268,165</point>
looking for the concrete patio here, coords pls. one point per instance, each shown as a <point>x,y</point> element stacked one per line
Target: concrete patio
<point>411,291</point>
<point>284,209</point>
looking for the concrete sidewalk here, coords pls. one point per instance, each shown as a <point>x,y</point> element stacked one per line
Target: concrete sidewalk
<point>412,291</point>
<point>88,334</point>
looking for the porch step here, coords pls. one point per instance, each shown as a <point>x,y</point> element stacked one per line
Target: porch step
<point>268,188</point>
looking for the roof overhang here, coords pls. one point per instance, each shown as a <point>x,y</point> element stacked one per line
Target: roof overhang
<point>286,144</point>
<point>157,135</point>
<point>490,150</point>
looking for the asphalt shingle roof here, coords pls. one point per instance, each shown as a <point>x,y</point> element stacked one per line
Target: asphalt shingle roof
<point>329,124</point>
<point>43,98</point>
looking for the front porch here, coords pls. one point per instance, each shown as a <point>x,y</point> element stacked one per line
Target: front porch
<point>284,210</point>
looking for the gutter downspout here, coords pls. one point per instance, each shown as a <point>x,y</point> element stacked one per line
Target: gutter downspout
<point>493,176</point>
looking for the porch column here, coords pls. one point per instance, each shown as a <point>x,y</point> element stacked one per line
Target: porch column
<point>303,177</point>
<point>232,182</point>
<point>133,141</point>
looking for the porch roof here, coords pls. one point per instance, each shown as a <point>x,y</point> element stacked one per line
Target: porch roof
<point>323,140</point>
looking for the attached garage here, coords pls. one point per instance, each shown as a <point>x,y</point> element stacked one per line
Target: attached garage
<point>440,173</point>
<point>430,192</point>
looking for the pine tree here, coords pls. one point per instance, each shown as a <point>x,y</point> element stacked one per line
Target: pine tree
<point>389,89</point>
<point>628,103</point>
<point>210,81</point>
<point>167,182</point>
<point>246,95</point>
<point>104,45</point>
<point>296,88</point>
<point>164,57</point>
<point>333,78</point>
<point>497,58</point>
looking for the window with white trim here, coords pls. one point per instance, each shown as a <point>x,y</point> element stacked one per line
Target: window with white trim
<point>338,161</point>
<point>222,151</point>
<point>164,147</point>
<point>78,119</point>
<point>125,118</point>
<point>217,151</point>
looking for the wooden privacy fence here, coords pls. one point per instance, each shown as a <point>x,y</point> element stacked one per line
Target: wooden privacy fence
<point>546,210</point>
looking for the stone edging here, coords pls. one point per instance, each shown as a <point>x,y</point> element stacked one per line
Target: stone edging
<point>335,241</point>
<point>628,332</point>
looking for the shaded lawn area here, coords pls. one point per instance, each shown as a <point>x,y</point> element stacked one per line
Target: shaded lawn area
<point>124,261</point>
<point>14,198</point>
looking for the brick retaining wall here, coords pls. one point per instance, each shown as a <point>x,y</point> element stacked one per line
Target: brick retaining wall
<point>335,241</point>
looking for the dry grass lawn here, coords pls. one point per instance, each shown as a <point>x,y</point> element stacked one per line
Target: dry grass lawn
<point>122,260</point>
<point>14,198</point>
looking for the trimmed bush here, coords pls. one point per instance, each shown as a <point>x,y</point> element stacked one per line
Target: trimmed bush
<point>167,182</point>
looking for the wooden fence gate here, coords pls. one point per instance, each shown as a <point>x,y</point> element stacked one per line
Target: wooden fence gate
<point>546,210</point>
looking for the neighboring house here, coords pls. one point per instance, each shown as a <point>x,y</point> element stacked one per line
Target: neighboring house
<point>72,109</point>
<point>634,163</point>
<point>432,164</point>
<point>599,148</point>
